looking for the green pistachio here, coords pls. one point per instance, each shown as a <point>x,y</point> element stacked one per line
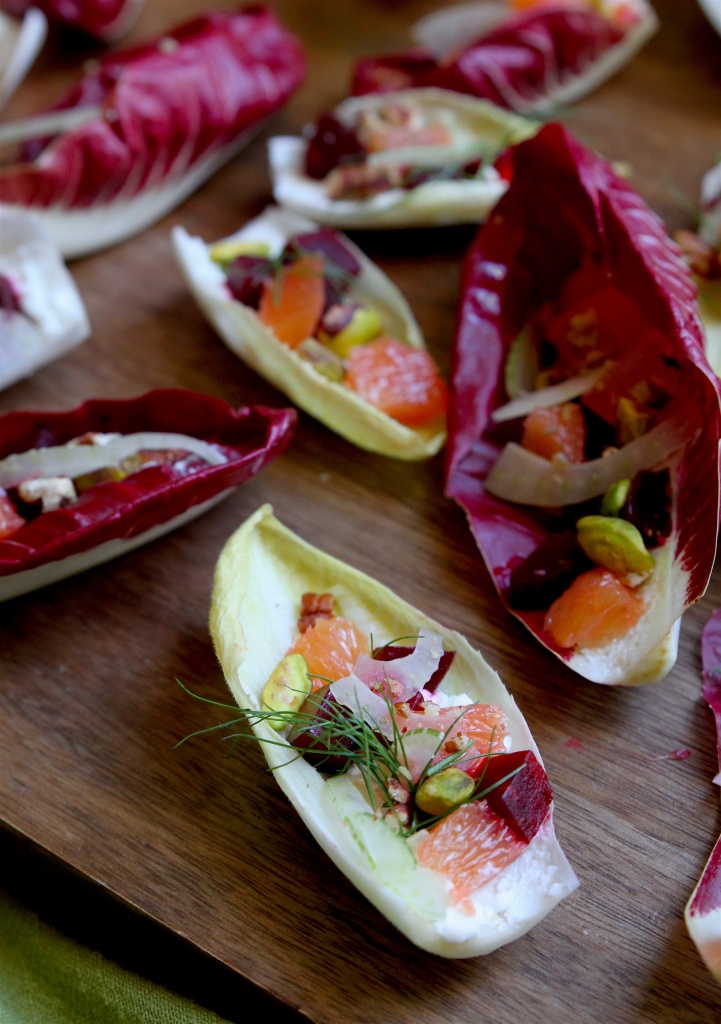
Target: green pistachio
<point>440,793</point>
<point>615,498</point>
<point>615,544</point>
<point>325,362</point>
<point>109,474</point>
<point>223,253</point>
<point>365,325</point>
<point>286,689</point>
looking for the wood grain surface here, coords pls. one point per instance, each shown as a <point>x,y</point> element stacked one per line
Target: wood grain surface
<point>199,857</point>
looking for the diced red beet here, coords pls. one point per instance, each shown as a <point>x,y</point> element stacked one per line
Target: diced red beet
<point>332,143</point>
<point>316,739</point>
<point>648,506</point>
<point>392,651</point>
<point>9,298</point>
<point>537,581</point>
<point>246,275</point>
<point>523,800</point>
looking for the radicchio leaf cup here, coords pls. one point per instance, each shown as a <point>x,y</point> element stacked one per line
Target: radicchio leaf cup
<point>329,401</point>
<point>566,209</point>
<point>703,910</point>
<point>531,60</point>
<point>480,133</point>
<point>114,517</point>
<point>104,19</point>
<point>261,575</point>
<point>42,315</point>
<point>162,117</point>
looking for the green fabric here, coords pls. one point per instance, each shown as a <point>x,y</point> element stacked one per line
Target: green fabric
<point>45,978</point>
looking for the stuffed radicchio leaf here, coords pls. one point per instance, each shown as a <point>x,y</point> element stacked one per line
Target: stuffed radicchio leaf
<point>703,910</point>
<point>593,494</point>
<point>78,488</point>
<point>104,19</point>
<point>533,59</point>
<point>146,126</point>
<point>261,578</point>
<point>41,313</point>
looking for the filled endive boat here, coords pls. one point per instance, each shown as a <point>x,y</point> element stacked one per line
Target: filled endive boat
<point>144,127</point>
<point>104,19</point>
<point>411,158</point>
<point>703,910</point>
<point>41,313</point>
<point>311,313</point>
<point>20,43</point>
<point>78,488</point>
<point>526,55</point>
<point>584,419</point>
<point>411,764</point>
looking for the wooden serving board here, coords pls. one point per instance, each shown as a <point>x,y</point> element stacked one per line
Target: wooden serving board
<point>208,848</point>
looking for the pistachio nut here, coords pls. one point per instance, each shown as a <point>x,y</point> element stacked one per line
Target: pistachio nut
<point>615,498</point>
<point>440,793</point>
<point>615,544</point>
<point>286,689</point>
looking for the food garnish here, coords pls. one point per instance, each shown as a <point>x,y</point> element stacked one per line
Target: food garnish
<point>112,156</point>
<point>527,55</point>
<point>78,488</point>
<point>408,159</point>
<point>584,418</point>
<point>309,311</point>
<point>413,768</point>
<point>41,313</point>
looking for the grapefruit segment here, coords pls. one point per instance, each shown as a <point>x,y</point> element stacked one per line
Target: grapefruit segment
<point>401,381</point>
<point>331,648</point>
<point>291,303</point>
<point>596,609</point>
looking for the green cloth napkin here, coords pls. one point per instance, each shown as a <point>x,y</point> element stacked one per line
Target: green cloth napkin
<point>46,978</point>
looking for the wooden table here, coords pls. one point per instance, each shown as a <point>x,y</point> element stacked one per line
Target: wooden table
<point>193,868</point>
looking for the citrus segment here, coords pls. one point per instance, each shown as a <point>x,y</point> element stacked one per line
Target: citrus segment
<point>401,381</point>
<point>470,847</point>
<point>331,648</point>
<point>560,430</point>
<point>291,303</point>
<point>596,609</point>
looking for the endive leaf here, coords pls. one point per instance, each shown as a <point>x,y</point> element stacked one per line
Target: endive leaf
<point>260,577</point>
<point>333,404</point>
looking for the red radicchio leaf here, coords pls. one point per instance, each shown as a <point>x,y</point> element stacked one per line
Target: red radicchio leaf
<point>527,62</point>
<point>165,106</point>
<point>104,19</point>
<point>564,206</point>
<point>248,437</point>
<point>711,663</point>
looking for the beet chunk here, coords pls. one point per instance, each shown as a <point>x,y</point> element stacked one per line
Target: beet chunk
<point>331,143</point>
<point>392,651</point>
<point>523,800</point>
<point>316,739</point>
<point>246,275</point>
<point>547,572</point>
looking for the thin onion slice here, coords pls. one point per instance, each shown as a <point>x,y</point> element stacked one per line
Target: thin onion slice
<point>545,398</point>
<point>72,460</point>
<point>523,477</point>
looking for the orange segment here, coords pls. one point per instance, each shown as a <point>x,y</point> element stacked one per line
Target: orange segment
<point>10,521</point>
<point>331,648</point>
<point>291,304</point>
<point>560,430</point>
<point>596,609</point>
<point>470,847</point>
<point>401,381</point>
